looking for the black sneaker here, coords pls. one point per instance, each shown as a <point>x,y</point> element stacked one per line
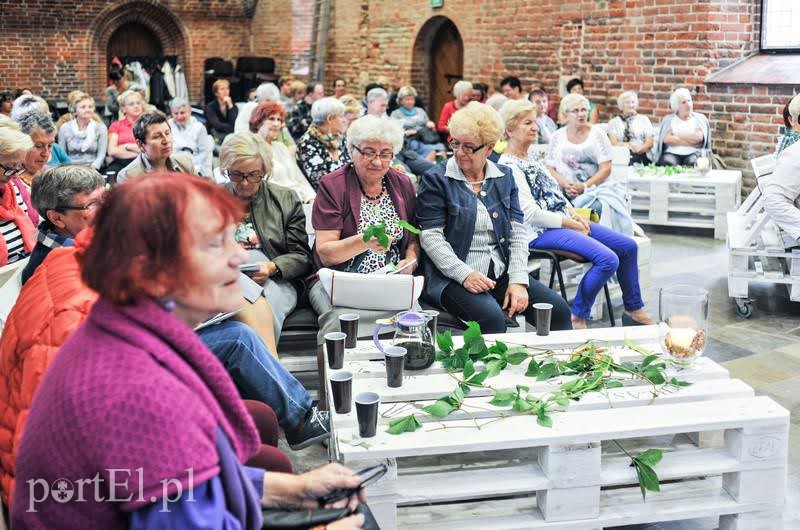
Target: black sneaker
<point>316,428</point>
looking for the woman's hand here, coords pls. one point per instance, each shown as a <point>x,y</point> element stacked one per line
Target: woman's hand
<point>263,274</point>
<point>477,283</point>
<point>431,125</point>
<point>303,491</point>
<point>354,522</point>
<point>576,223</point>
<point>411,268</point>
<point>409,132</point>
<point>573,189</point>
<point>516,299</point>
<point>375,246</point>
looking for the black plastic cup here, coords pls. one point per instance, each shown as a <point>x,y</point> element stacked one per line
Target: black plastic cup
<point>367,412</point>
<point>342,390</point>
<point>433,322</point>
<point>334,345</point>
<point>544,312</point>
<point>348,323</point>
<point>395,357</point>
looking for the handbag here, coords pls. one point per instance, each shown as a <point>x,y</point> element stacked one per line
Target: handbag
<point>428,136</point>
<point>383,292</point>
<point>300,520</point>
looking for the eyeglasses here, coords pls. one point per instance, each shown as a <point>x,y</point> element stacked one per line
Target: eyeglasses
<point>577,111</point>
<point>253,177</point>
<point>12,171</point>
<point>369,154</point>
<point>91,205</point>
<point>455,145</point>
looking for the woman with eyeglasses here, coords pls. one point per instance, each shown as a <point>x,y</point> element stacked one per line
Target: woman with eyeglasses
<point>17,224</point>
<point>579,158</point>
<point>274,231</point>
<point>356,196</point>
<point>321,149</point>
<point>473,232</point>
<point>267,120</point>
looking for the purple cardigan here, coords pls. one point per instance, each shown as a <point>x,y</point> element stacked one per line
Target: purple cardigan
<point>132,388</point>
<point>338,204</point>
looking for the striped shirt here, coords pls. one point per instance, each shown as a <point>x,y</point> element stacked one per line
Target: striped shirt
<point>11,234</point>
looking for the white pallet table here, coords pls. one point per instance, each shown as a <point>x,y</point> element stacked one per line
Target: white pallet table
<point>694,200</point>
<point>513,473</point>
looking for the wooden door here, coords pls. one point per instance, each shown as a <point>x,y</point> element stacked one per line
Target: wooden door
<point>446,66</point>
<point>134,39</point>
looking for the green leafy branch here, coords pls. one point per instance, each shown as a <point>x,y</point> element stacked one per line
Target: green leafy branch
<point>378,230</point>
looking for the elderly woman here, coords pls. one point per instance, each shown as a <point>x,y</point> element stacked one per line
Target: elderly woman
<point>579,158</point>
<point>321,150</point>
<point>154,287</point>
<point>462,91</point>
<point>792,131</point>
<point>39,126</point>
<point>268,120</point>
<point>122,145</point>
<point>631,129</point>
<point>575,86</point>
<point>221,112</point>
<point>274,231</point>
<point>682,134</point>
<point>83,138</point>
<point>353,198</point>
<point>17,216</point>
<point>189,136</point>
<point>556,226</point>
<point>420,131</point>
<point>473,233</point>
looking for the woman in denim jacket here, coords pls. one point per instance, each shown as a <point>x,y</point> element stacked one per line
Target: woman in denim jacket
<point>473,232</point>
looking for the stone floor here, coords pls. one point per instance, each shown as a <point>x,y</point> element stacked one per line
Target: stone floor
<point>763,351</point>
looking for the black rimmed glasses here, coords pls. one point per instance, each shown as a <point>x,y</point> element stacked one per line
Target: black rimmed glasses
<point>369,154</point>
<point>91,205</point>
<point>12,171</point>
<point>455,145</point>
<point>254,177</point>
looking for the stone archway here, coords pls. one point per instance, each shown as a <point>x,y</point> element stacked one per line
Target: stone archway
<point>159,20</point>
<point>437,62</point>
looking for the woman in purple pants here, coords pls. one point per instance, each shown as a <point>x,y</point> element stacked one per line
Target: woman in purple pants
<point>556,226</point>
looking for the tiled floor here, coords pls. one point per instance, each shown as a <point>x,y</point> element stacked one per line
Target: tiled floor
<point>763,351</point>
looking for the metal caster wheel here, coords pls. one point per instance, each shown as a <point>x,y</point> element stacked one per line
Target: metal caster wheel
<point>744,307</point>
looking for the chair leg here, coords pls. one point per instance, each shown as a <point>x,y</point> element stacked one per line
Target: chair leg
<point>323,396</point>
<point>557,267</point>
<point>609,306</point>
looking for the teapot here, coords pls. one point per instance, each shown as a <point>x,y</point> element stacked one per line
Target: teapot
<point>413,334</point>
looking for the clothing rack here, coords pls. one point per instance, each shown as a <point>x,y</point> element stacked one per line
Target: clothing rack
<point>151,61</point>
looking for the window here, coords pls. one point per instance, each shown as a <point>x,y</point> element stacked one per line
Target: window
<point>780,20</point>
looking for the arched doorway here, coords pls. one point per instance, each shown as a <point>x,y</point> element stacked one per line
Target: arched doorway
<point>438,62</point>
<point>134,39</point>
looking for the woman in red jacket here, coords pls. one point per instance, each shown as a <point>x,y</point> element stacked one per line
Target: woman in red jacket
<point>17,230</point>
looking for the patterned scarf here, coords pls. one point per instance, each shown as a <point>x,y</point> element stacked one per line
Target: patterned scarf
<point>331,142</point>
<point>627,135</point>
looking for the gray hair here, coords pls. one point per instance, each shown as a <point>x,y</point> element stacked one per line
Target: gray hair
<point>178,103</point>
<point>324,107</point>
<point>56,187</point>
<point>35,120</point>
<point>625,96</point>
<point>243,147</point>
<point>461,86</point>
<point>573,101</point>
<point>497,101</point>
<point>375,129</point>
<point>376,93</point>
<point>25,104</point>
<point>675,97</point>
<point>268,92</point>
<point>794,108</point>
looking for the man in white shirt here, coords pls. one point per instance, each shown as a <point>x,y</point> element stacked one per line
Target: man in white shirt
<point>189,136</point>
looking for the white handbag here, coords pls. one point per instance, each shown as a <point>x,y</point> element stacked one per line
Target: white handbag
<point>389,292</point>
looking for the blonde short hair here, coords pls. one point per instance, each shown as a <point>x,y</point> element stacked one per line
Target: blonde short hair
<point>514,110</point>
<point>461,86</point>
<point>75,97</point>
<point>13,141</point>
<point>5,121</point>
<point>675,97</point>
<point>123,98</point>
<point>794,108</point>
<point>218,83</point>
<point>477,119</point>
<point>351,104</point>
<point>406,91</point>
<point>375,129</point>
<point>298,88</point>
<point>243,147</point>
<point>571,101</point>
<point>622,98</point>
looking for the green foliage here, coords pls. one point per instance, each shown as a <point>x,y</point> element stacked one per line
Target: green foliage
<point>408,226</point>
<point>408,423</point>
<point>648,478</point>
<point>378,230</point>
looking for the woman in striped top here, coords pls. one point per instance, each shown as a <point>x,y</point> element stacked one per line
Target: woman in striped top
<point>17,231</point>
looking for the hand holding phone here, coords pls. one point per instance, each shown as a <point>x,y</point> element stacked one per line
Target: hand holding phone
<point>250,267</point>
<point>368,475</point>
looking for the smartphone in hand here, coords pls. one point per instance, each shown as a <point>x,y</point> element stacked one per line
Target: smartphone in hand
<point>250,267</point>
<point>368,475</point>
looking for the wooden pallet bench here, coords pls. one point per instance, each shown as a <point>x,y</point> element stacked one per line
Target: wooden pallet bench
<point>725,450</point>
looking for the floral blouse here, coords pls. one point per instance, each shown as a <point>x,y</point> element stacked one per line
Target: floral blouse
<point>314,160</point>
<point>374,213</point>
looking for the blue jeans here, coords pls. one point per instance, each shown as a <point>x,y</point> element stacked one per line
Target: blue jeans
<point>255,372</point>
<point>609,252</point>
<point>485,308</point>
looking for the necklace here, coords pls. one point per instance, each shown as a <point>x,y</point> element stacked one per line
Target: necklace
<point>376,197</point>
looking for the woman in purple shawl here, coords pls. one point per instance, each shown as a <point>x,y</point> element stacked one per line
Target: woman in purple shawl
<point>136,424</point>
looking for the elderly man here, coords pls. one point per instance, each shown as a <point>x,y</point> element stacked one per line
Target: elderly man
<point>781,189</point>
<point>377,102</point>
<point>154,138</point>
<point>189,136</point>
<point>66,199</point>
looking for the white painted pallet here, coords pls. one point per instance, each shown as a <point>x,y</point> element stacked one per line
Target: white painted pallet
<point>725,450</point>
<point>699,201</point>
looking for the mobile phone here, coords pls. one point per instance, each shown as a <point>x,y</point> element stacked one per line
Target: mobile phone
<point>250,267</point>
<point>368,475</point>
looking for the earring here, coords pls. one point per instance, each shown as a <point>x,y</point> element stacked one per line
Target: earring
<point>169,305</point>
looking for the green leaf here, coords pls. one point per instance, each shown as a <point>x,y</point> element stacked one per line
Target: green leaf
<point>479,378</point>
<point>464,388</point>
<point>533,368</point>
<point>472,334</point>
<point>440,408</point>
<point>495,367</point>
<point>516,356</point>
<point>560,400</point>
<point>573,385</point>
<point>654,375</point>
<point>408,226</point>
<point>635,347</point>
<point>469,369</point>
<point>498,347</point>
<point>522,405</point>
<point>651,457</point>
<point>648,479</point>
<point>457,395</point>
<point>522,388</point>
<point>647,360</point>
<point>405,424</point>
<point>503,398</point>
<point>543,419</point>
<point>613,383</point>
<point>679,383</point>
<point>547,371</point>
<point>445,341</point>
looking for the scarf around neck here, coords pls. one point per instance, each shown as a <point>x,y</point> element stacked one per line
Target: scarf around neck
<point>11,211</point>
<point>330,141</point>
<point>88,136</point>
